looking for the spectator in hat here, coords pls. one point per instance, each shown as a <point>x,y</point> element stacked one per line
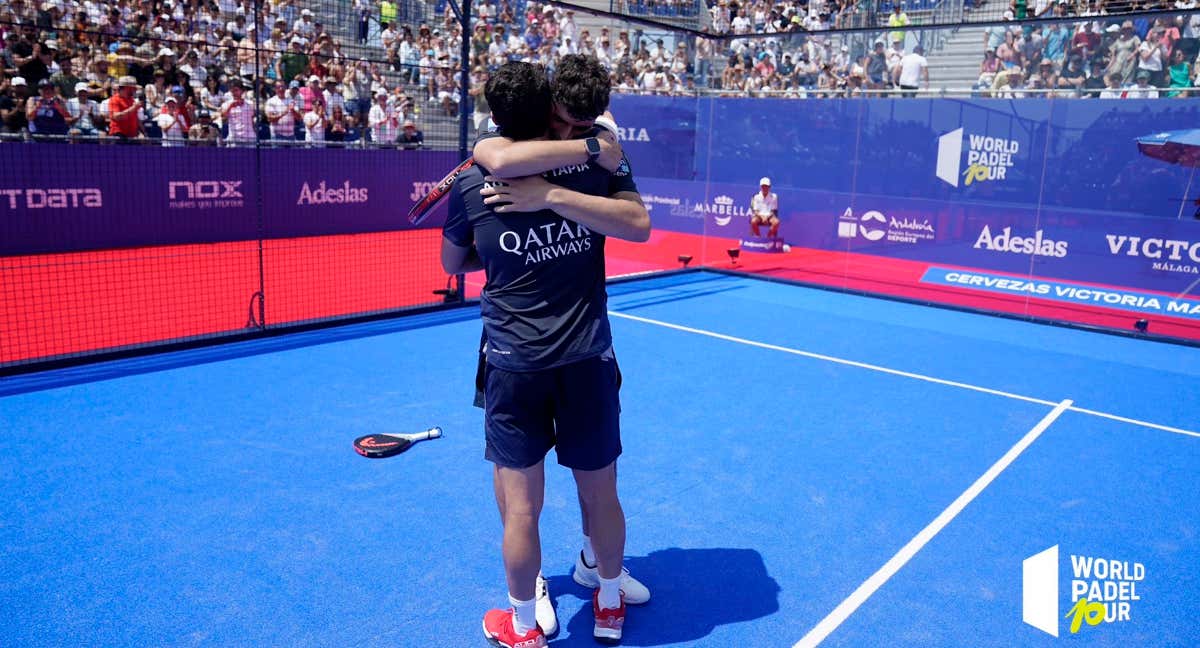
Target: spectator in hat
<point>311,92</point>
<point>410,137</point>
<point>1141,88</point>
<point>124,111</point>
<point>238,115</point>
<point>85,112</point>
<point>304,27</point>
<point>333,97</point>
<point>383,120</point>
<point>1124,52</point>
<point>12,106</point>
<point>174,129</point>
<point>764,210</point>
<point>47,113</point>
<point>204,132</point>
<point>283,113</point>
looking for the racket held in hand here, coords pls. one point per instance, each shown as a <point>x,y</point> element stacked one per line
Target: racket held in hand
<point>421,209</point>
<point>383,444</point>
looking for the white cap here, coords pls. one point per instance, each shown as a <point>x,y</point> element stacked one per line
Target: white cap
<point>306,12</point>
<point>82,86</point>
<point>19,81</point>
<point>166,51</point>
<point>765,181</point>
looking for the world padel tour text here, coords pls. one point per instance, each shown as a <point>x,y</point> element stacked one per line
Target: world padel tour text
<point>1103,590</point>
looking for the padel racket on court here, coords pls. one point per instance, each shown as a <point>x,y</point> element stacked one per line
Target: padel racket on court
<point>378,446</point>
<point>425,205</point>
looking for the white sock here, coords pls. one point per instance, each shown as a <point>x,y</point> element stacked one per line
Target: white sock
<point>526,614</point>
<point>610,593</point>
<point>589,554</point>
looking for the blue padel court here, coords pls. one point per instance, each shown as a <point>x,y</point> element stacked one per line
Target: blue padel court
<point>801,467</point>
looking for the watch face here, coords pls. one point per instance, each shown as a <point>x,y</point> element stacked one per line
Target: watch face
<point>593,146</point>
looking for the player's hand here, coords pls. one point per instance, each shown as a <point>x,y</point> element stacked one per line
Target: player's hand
<point>610,151</point>
<point>526,194</point>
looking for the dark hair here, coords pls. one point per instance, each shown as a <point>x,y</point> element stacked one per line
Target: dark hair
<point>581,86</point>
<point>519,96</point>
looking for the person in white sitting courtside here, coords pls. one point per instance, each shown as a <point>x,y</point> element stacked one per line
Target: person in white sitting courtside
<point>764,210</point>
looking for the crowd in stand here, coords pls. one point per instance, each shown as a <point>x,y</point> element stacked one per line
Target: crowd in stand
<point>192,71</point>
<point>207,71</point>
<point>1106,57</point>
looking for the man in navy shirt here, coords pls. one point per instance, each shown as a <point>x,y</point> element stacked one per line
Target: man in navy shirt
<point>580,91</point>
<point>551,377</point>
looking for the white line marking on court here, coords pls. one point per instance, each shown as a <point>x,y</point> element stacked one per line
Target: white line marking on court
<point>889,569</point>
<point>897,372</point>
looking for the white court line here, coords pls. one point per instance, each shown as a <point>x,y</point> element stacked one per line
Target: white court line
<point>897,372</point>
<point>889,569</point>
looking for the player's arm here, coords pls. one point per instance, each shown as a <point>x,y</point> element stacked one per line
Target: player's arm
<point>458,237</point>
<point>506,158</point>
<point>621,215</point>
<point>458,260</point>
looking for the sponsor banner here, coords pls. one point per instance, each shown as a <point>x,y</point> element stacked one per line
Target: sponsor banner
<point>658,134</point>
<point>1116,298</point>
<point>62,199</point>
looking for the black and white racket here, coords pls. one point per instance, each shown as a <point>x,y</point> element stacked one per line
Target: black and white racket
<point>378,446</point>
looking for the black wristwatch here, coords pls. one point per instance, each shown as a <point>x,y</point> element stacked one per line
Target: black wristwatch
<point>593,148</point>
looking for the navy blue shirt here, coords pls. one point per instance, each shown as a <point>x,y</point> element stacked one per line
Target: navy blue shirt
<point>544,303</point>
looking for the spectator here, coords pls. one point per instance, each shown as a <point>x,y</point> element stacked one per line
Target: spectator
<point>12,106</point>
<point>898,19</point>
<point>282,113</point>
<point>47,114</point>
<point>238,115</point>
<point>383,120</point>
<point>1150,56</point>
<point>38,66</point>
<point>204,132</point>
<point>877,68</point>
<point>173,127</point>
<point>65,78</point>
<point>912,71</point>
<point>85,112</point>
<point>1180,74</point>
<point>338,125</point>
<point>124,111</point>
<point>410,137</point>
<point>315,121</point>
<point>1113,89</point>
<point>1125,53</point>
<point>1142,88</point>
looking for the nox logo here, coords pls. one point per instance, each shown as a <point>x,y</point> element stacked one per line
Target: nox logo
<point>205,189</point>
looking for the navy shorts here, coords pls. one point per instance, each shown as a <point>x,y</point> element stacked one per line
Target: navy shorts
<point>574,408</point>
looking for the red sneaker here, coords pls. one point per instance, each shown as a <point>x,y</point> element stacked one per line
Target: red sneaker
<point>609,622</point>
<point>498,628</point>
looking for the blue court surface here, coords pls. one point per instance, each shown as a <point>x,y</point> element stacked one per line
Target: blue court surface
<point>800,466</point>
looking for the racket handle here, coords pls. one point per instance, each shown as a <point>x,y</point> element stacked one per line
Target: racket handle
<point>433,432</point>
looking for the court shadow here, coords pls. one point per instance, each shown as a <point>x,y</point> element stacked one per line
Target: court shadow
<point>692,592</point>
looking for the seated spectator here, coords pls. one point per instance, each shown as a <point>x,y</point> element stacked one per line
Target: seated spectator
<point>1141,89</point>
<point>1180,74</point>
<point>410,137</point>
<point>338,126</point>
<point>1113,88</point>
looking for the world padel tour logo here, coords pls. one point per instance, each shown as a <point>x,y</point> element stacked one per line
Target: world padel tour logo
<point>988,158</point>
<point>1103,590</point>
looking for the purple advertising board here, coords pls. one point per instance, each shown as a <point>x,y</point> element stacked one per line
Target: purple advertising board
<point>61,198</point>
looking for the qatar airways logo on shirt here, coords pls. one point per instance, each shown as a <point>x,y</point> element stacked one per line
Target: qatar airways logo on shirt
<point>546,242</point>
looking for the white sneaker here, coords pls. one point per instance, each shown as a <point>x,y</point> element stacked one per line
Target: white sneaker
<point>547,620</point>
<point>589,577</point>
